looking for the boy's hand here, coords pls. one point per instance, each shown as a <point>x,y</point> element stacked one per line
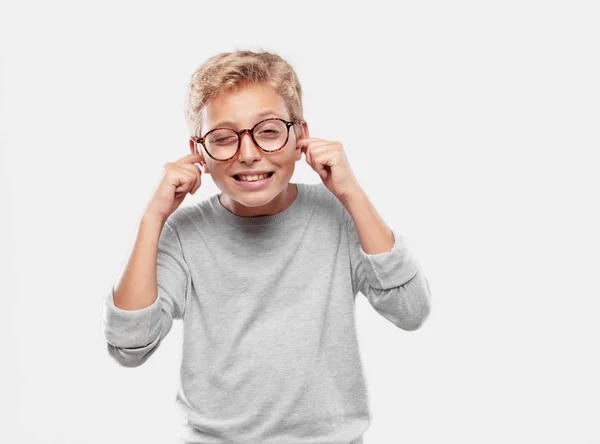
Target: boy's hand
<point>179,178</point>
<point>328,158</point>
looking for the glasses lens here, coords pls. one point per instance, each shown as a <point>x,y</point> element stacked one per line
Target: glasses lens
<point>271,134</point>
<point>222,143</point>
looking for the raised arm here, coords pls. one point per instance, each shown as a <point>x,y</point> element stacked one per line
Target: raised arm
<point>392,280</point>
<point>139,310</point>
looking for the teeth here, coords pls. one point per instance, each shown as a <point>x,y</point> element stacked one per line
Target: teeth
<point>252,178</point>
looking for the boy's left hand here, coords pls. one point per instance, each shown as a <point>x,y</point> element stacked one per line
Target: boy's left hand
<point>328,158</point>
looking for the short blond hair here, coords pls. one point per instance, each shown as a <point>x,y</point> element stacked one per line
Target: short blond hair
<point>229,70</point>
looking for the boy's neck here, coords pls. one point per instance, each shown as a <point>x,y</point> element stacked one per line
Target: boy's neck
<point>278,204</point>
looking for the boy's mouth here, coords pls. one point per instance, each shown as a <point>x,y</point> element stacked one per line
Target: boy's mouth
<point>253,178</point>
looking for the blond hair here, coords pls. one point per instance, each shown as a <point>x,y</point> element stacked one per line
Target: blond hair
<point>228,70</point>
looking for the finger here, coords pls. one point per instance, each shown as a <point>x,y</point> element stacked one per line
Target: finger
<point>199,182</point>
<point>191,158</point>
<point>317,164</point>
<point>316,147</point>
<point>321,160</point>
<point>185,180</point>
<point>305,142</point>
<point>198,179</point>
<point>314,150</point>
<point>324,161</point>
<point>197,174</point>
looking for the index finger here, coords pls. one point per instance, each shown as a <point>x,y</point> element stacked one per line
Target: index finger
<point>192,157</point>
<point>305,140</point>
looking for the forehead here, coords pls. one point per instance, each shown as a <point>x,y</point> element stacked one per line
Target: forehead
<point>242,106</point>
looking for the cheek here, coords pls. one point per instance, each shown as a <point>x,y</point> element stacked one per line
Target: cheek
<point>288,162</point>
<point>293,155</point>
<point>220,173</point>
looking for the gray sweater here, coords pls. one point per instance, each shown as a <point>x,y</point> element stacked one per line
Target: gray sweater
<point>269,351</point>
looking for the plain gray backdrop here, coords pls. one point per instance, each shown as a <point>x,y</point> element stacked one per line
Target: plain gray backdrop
<point>473,127</point>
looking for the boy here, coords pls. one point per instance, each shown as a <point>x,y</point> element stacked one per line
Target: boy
<point>263,274</point>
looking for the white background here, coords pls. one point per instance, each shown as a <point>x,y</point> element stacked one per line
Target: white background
<point>473,126</point>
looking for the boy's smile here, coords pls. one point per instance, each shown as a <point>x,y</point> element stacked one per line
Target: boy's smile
<point>253,180</point>
<point>254,194</point>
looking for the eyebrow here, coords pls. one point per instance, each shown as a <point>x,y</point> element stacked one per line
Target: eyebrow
<point>264,113</point>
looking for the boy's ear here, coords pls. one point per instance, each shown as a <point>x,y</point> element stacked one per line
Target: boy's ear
<point>202,162</point>
<point>303,133</point>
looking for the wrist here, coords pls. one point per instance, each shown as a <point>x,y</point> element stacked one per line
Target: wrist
<point>153,218</point>
<point>355,198</point>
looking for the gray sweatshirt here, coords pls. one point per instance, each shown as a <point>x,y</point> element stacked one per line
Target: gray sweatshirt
<point>269,350</point>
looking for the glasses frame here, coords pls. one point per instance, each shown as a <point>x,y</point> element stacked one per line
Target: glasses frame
<point>240,133</point>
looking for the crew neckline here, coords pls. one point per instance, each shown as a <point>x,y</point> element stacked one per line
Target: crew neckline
<point>247,221</point>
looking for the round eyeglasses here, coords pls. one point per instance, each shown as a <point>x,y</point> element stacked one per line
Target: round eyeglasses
<point>270,135</point>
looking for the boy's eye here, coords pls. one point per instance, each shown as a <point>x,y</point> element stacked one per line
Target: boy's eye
<point>223,140</point>
<point>268,132</point>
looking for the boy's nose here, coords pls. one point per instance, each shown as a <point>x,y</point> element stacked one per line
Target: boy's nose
<point>248,149</point>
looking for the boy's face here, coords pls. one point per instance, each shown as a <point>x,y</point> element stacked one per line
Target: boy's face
<point>239,109</point>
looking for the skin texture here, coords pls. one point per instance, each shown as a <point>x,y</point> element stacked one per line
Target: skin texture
<point>240,107</point>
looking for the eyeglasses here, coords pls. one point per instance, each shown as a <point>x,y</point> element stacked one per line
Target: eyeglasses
<point>270,135</point>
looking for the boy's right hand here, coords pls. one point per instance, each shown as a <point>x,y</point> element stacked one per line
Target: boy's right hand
<point>180,178</point>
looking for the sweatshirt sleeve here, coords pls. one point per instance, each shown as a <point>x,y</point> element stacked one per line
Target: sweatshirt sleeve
<point>132,336</point>
<point>393,281</point>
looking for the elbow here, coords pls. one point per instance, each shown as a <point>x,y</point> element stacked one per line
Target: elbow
<point>420,315</point>
<point>417,322</point>
<point>132,356</point>
<point>123,357</point>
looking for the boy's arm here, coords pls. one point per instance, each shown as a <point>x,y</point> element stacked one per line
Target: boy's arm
<point>389,275</point>
<point>139,310</point>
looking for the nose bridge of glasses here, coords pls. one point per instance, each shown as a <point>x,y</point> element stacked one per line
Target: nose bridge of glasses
<point>242,132</point>
<point>253,144</point>
<point>246,131</point>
